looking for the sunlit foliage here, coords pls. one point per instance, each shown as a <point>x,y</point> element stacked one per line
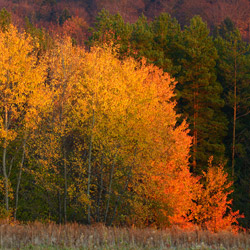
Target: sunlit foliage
<point>97,139</point>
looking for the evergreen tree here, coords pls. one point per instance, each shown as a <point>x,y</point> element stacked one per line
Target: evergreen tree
<point>109,29</point>
<point>142,39</point>
<point>199,93</point>
<point>166,34</point>
<point>5,19</point>
<point>233,73</point>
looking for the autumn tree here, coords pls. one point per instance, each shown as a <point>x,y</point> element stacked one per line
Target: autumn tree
<point>40,37</point>
<point>21,78</point>
<point>54,135</point>
<point>213,210</point>
<point>76,28</point>
<point>190,57</point>
<point>99,137</point>
<point>126,139</point>
<point>141,131</point>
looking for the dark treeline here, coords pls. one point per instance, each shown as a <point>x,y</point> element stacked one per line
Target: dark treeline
<point>96,147</point>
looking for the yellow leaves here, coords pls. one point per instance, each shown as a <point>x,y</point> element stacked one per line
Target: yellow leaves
<point>133,134</point>
<point>133,108</point>
<point>2,187</point>
<point>133,112</point>
<point>16,58</point>
<point>21,77</point>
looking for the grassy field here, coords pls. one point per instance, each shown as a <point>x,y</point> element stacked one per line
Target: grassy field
<point>75,236</point>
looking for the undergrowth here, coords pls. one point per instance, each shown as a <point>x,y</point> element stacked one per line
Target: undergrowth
<point>75,236</point>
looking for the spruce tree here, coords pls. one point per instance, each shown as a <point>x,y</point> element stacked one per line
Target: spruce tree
<point>233,67</point>
<point>166,34</point>
<point>199,93</point>
<point>142,39</point>
<point>111,29</point>
<point>233,73</point>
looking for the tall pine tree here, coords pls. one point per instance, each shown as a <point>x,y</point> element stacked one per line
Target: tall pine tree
<point>233,69</point>
<point>199,93</point>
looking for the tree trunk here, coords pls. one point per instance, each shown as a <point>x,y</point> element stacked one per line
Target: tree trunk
<point>100,192</point>
<point>59,207</point>
<point>118,201</point>
<point>89,166</point>
<point>235,110</point>
<point>64,144</point>
<point>195,139</point>
<point>6,179</point>
<point>65,185</point>
<point>123,191</point>
<point>110,187</point>
<point>19,178</point>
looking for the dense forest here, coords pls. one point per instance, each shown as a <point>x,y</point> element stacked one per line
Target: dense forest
<point>143,123</point>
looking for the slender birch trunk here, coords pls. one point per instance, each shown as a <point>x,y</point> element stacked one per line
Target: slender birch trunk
<point>19,177</point>
<point>65,185</point>
<point>110,188</point>
<point>100,192</point>
<point>89,166</point>
<point>118,201</point>
<point>65,177</point>
<point>123,191</point>
<point>59,207</point>
<point>6,179</point>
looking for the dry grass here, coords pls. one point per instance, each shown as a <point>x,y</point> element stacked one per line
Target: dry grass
<point>75,236</point>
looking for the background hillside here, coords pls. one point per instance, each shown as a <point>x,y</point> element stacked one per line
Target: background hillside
<point>47,12</point>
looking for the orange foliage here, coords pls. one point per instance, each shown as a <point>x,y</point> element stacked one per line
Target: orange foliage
<point>167,189</point>
<point>135,126</point>
<point>75,27</point>
<point>213,210</point>
<point>178,190</point>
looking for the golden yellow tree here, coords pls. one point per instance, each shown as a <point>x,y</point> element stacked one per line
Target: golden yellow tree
<point>51,142</point>
<point>164,191</point>
<point>21,84</point>
<point>133,139</point>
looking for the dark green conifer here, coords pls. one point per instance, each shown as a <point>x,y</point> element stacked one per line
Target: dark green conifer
<point>109,29</point>
<point>5,19</point>
<point>233,70</point>
<point>199,94</point>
